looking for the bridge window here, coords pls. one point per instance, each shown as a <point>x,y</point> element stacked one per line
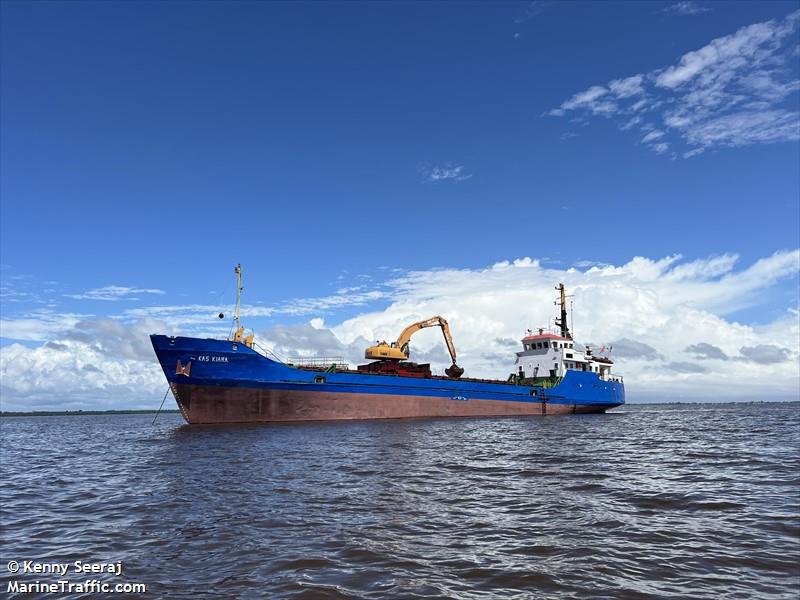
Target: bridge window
<point>546,344</point>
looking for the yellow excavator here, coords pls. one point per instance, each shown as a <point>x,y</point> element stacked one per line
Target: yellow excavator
<point>398,350</point>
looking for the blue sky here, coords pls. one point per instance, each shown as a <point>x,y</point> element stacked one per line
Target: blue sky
<point>146,148</point>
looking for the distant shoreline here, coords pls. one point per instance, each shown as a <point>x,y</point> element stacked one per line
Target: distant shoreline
<point>82,413</point>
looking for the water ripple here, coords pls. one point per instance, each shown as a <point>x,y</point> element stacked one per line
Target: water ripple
<point>649,502</point>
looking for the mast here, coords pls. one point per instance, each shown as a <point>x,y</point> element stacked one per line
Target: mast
<point>236,317</point>
<point>238,335</point>
<point>562,321</point>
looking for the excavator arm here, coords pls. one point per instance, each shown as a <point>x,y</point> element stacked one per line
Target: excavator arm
<point>399,349</point>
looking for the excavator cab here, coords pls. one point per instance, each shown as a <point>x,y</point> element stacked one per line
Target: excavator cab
<point>383,351</point>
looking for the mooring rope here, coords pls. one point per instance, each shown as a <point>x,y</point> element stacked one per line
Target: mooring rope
<point>162,405</point>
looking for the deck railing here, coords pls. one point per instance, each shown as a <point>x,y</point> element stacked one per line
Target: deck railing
<point>319,362</point>
<point>267,353</point>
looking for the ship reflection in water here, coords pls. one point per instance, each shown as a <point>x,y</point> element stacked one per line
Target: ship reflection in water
<point>693,501</point>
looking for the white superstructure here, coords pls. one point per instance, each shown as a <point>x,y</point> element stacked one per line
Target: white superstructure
<point>551,355</point>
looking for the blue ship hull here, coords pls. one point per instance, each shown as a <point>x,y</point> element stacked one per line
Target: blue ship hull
<point>219,381</point>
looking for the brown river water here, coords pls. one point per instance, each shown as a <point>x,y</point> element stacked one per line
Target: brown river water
<point>658,501</point>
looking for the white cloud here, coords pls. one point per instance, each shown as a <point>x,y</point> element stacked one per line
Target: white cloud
<point>666,305</point>
<point>72,375</point>
<point>686,7</point>
<point>734,91</point>
<point>633,122</point>
<point>592,100</point>
<point>752,44</point>
<point>652,136</point>
<point>660,148</point>
<point>667,320</point>
<point>744,128</point>
<point>602,100</point>
<point>444,172</point>
<point>115,338</point>
<point>585,98</point>
<point>190,316</point>
<point>625,88</point>
<point>113,292</point>
<point>38,325</point>
<point>583,263</point>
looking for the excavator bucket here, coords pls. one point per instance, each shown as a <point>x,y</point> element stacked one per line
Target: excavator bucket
<point>454,371</point>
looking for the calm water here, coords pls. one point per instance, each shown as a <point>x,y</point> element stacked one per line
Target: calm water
<point>697,501</point>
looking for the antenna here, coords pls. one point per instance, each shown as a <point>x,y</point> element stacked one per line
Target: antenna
<point>571,313</point>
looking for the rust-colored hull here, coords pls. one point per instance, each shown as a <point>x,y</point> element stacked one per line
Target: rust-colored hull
<point>214,404</point>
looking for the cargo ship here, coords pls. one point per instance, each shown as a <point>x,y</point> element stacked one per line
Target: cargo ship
<point>234,380</point>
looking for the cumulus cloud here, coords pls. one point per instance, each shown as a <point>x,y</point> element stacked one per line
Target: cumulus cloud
<point>737,90</point>
<point>662,317</point>
<point>648,310</point>
<point>97,363</point>
<point>74,375</point>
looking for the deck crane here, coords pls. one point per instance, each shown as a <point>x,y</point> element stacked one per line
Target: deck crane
<point>398,350</point>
